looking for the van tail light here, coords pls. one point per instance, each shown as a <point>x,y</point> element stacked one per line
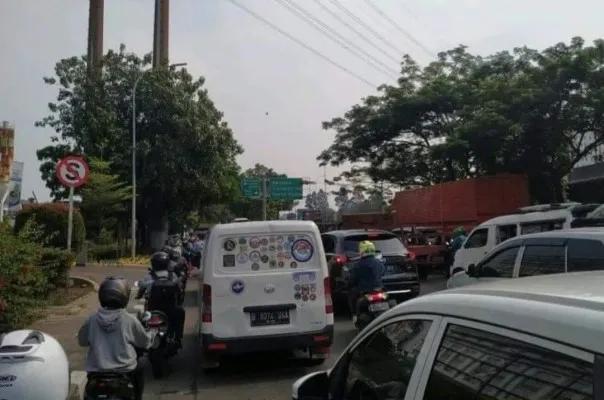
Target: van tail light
<point>340,259</point>
<point>377,297</point>
<point>328,301</point>
<point>206,303</point>
<point>411,256</point>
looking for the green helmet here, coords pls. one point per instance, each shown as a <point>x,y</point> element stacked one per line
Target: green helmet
<point>459,231</point>
<point>366,248</point>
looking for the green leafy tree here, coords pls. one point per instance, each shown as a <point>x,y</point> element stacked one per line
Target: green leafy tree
<point>105,201</point>
<point>185,154</point>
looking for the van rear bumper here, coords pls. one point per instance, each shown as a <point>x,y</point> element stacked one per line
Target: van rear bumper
<point>249,344</point>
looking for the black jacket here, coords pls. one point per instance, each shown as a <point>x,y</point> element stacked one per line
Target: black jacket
<point>366,274</point>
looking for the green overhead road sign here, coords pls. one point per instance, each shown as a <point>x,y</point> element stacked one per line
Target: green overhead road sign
<point>251,187</point>
<point>285,188</point>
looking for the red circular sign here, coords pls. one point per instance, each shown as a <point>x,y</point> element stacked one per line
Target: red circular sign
<point>72,171</point>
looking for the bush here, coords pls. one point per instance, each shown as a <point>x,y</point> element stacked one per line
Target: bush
<point>56,263</point>
<point>104,252</point>
<point>51,218</point>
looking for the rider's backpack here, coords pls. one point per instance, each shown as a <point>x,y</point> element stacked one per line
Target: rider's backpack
<point>165,292</point>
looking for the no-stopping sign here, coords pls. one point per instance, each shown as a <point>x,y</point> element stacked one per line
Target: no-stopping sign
<point>72,171</point>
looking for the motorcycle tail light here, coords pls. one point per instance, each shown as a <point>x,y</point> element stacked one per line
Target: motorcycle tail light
<point>377,296</point>
<point>155,320</point>
<point>411,256</point>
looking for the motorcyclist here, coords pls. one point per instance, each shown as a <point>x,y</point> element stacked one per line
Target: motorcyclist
<point>33,366</point>
<point>113,335</point>
<point>365,275</point>
<point>162,270</point>
<point>459,237</point>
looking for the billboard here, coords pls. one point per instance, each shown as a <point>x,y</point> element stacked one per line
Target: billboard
<point>13,202</point>
<point>7,149</point>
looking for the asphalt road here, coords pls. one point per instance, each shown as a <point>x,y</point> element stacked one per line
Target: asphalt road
<point>258,377</point>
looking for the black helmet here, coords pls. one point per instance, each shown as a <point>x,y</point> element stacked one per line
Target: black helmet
<point>160,261</point>
<point>114,292</point>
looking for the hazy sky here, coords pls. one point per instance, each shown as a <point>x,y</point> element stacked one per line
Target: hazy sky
<point>251,69</point>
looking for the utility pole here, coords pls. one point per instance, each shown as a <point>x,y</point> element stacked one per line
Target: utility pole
<point>264,198</point>
<point>96,13</point>
<point>325,190</point>
<point>161,33</point>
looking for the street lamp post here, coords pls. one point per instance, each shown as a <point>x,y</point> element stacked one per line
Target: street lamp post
<point>134,87</point>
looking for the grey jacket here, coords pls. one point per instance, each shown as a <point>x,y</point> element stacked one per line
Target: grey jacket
<point>112,337</point>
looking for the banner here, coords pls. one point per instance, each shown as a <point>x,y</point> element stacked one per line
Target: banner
<point>14,198</point>
<point>7,148</point>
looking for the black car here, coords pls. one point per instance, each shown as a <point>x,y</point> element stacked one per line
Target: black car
<point>400,279</point>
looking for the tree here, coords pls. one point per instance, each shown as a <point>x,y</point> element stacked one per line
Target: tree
<point>463,116</point>
<point>105,202</point>
<point>319,201</point>
<point>185,151</point>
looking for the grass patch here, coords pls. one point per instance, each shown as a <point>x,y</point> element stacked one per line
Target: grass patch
<point>64,296</point>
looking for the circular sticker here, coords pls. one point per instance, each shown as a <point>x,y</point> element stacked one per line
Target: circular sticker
<point>254,243</point>
<point>264,258</point>
<point>313,287</point>
<point>304,297</point>
<point>255,267</point>
<point>242,258</point>
<point>264,242</point>
<point>273,239</point>
<point>280,255</point>
<point>237,287</point>
<point>280,247</point>
<point>291,238</point>
<point>287,255</point>
<point>255,256</point>
<point>281,264</point>
<point>229,245</point>
<point>297,287</point>
<point>242,240</point>
<point>302,250</point>
<point>280,240</point>
<point>313,297</point>
<point>272,263</point>
<point>271,247</point>
<point>297,296</point>
<point>293,264</point>
<point>263,249</point>
<point>243,248</point>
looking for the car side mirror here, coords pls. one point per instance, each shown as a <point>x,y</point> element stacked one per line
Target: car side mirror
<point>314,386</point>
<point>472,271</point>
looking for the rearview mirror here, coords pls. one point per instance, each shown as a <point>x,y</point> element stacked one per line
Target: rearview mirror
<point>472,270</point>
<point>314,386</point>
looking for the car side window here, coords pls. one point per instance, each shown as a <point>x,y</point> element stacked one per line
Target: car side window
<point>476,364</point>
<point>329,244</point>
<point>477,239</point>
<point>585,255</point>
<point>500,265</point>
<point>542,260</point>
<point>381,366</point>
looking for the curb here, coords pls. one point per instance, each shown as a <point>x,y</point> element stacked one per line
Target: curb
<point>77,385</point>
<point>73,307</point>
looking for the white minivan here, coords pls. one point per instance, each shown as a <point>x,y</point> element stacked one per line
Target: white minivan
<point>490,233</point>
<point>265,287</point>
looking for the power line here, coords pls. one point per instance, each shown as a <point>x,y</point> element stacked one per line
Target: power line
<point>426,26</point>
<point>301,43</point>
<point>345,43</point>
<point>364,25</point>
<point>400,29</point>
<point>352,28</point>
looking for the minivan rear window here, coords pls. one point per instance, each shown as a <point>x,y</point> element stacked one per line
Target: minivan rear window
<point>384,243</point>
<point>257,252</point>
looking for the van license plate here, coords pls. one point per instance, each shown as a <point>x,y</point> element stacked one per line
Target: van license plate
<point>267,318</point>
<point>383,306</point>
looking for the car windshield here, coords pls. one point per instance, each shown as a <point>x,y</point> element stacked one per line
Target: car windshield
<point>384,243</point>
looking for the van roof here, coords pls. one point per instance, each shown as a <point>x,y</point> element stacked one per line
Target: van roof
<point>571,305</point>
<point>264,226</point>
<point>527,217</point>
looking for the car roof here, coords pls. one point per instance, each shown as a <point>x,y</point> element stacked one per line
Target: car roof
<point>352,232</point>
<point>235,228</point>
<point>575,233</point>
<point>567,308</point>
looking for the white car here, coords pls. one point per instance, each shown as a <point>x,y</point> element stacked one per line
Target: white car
<point>572,250</point>
<point>537,338</point>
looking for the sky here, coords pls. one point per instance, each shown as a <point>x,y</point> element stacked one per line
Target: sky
<point>251,69</point>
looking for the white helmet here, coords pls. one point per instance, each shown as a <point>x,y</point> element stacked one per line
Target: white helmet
<point>28,361</point>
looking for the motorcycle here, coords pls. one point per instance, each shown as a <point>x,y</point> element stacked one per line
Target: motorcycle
<point>372,304</point>
<point>109,386</point>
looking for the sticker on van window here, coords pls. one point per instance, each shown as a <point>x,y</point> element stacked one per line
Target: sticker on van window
<point>254,242</point>
<point>293,264</point>
<point>242,240</point>
<point>281,264</point>
<point>255,267</point>
<point>255,256</point>
<point>229,245</point>
<point>302,250</point>
<point>264,258</point>
<point>291,238</point>
<point>264,242</point>
<point>304,276</point>
<point>242,258</point>
<point>287,245</point>
<point>272,264</point>
<point>280,239</point>
<point>287,255</point>
<point>228,260</point>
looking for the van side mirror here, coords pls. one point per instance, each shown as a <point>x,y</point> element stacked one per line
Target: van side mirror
<point>472,271</point>
<point>314,386</point>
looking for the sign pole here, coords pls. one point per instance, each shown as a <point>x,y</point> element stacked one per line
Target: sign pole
<point>264,199</point>
<point>70,219</point>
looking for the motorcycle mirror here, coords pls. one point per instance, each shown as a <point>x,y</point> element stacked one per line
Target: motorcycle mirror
<point>136,284</point>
